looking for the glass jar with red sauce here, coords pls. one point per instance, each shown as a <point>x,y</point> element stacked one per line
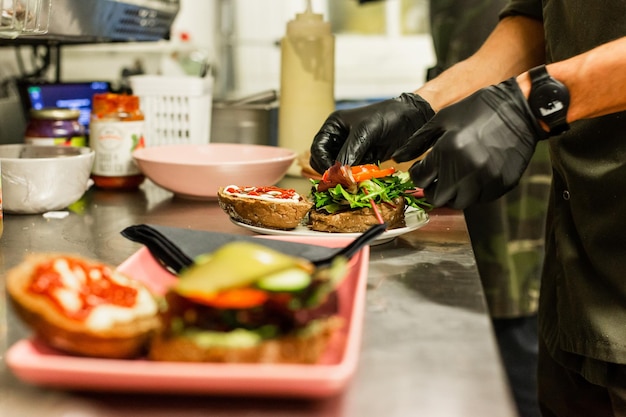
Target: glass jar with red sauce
<point>116,130</point>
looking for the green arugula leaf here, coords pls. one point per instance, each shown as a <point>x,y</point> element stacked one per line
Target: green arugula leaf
<point>380,190</point>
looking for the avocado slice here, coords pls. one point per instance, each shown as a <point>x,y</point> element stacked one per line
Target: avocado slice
<point>236,264</point>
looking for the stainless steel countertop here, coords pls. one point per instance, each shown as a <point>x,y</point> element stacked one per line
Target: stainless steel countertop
<point>428,347</point>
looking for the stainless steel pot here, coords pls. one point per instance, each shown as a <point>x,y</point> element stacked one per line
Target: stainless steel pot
<point>251,120</point>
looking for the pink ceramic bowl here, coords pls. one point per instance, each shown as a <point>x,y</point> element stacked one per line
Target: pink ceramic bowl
<point>198,171</point>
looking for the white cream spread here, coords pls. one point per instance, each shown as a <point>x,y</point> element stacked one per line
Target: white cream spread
<point>106,316</point>
<point>273,195</point>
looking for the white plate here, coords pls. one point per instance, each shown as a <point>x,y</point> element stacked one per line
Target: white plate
<point>414,219</point>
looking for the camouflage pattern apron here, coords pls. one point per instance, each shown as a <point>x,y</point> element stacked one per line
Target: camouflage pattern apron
<point>507,234</point>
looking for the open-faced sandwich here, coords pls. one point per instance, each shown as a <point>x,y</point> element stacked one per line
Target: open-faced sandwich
<point>268,206</point>
<point>347,199</point>
<point>82,306</point>
<point>246,302</point>
<point>350,199</point>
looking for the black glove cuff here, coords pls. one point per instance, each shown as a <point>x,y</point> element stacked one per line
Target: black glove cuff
<point>512,86</point>
<point>419,103</point>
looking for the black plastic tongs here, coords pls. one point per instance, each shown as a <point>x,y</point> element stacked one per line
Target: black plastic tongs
<point>160,246</point>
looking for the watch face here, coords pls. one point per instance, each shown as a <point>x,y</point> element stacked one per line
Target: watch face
<point>549,102</point>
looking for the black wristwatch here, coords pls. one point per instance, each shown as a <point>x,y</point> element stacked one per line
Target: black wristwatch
<point>548,100</point>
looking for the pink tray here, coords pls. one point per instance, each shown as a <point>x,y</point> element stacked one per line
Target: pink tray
<point>34,362</point>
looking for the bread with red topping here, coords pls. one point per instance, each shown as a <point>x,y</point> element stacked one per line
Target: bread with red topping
<point>270,207</point>
<point>82,306</point>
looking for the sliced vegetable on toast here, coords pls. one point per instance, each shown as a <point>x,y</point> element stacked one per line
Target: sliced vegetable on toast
<point>350,199</point>
<point>246,302</point>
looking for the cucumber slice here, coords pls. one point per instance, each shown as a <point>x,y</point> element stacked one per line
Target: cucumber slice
<point>289,280</point>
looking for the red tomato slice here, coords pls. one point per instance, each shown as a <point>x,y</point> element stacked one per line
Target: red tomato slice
<point>237,298</point>
<point>369,171</point>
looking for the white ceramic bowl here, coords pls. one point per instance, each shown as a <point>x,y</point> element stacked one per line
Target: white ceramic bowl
<point>198,171</point>
<point>37,179</point>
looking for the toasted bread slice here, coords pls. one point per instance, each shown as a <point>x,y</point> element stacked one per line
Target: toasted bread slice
<point>358,220</point>
<point>278,214</point>
<point>121,332</point>
<point>306,346</point>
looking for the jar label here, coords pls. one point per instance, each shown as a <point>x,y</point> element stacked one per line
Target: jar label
<point>71,141</point>
<point>113,143</point>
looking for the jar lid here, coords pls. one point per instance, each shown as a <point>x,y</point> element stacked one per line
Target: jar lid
<point>54,113</point>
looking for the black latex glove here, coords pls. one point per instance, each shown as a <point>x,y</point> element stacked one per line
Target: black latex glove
<point>368,134</point>
<point>480,147</point>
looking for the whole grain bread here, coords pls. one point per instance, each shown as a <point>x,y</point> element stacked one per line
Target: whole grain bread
<point>280,215</point>
<point>124,340</point>
<point>358,220</point>
<point>305,347</point>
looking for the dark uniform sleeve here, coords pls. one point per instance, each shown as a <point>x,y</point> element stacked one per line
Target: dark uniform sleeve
<point>529,8</point>
<point>458,28</point>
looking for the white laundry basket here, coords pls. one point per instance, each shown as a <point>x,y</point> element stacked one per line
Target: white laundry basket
<point>177,109</point>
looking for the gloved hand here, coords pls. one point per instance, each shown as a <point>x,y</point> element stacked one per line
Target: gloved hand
<point>480,147</point>
<point>368,134</point>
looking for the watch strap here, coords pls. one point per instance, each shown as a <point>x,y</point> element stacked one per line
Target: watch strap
<point>548,99</point>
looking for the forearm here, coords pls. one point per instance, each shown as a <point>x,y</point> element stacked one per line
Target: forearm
<point>516,44</point>
<point>596,80</point>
